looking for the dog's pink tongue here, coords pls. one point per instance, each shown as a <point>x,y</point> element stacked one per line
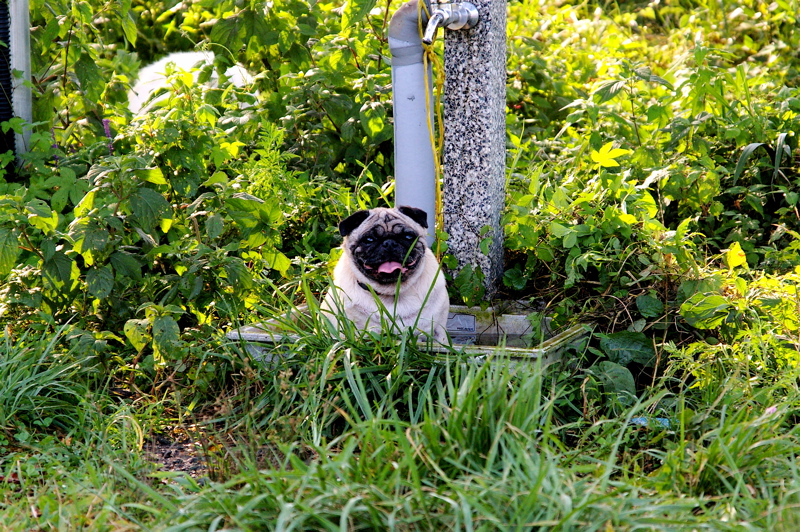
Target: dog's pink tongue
<point>390,267</point>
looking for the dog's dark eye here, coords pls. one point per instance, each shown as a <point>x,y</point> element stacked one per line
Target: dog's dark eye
<point>409,238</point>
<point>369,239</point>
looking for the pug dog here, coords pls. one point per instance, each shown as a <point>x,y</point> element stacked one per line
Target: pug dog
<point>386,261</point>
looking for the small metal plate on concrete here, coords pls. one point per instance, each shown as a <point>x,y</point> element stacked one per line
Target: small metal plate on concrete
<point>461,328</point>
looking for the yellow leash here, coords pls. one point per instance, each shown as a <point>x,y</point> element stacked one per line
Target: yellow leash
<point>430,57</point>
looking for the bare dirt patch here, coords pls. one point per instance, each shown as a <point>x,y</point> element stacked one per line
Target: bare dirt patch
<point>188,450</point>
<point>178,450</point>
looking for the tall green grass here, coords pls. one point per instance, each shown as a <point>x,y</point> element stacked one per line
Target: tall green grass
<point>40,384</point>
<point>367,433</point>
<point>480,451</point>
<point>63,441</point>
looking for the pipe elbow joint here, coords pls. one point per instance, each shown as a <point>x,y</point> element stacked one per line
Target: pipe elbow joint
<point>405,44</point>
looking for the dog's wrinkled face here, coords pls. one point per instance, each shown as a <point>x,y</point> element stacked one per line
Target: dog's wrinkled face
<point>386,244</point>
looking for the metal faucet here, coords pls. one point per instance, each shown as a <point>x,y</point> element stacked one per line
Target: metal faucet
<point>451,15</point>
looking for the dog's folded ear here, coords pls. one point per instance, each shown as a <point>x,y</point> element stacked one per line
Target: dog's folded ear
<point>349,224</point>
<point>418,215</point>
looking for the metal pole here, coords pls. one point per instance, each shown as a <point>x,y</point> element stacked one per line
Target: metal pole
<point>415,184</point>
<point>20,45</point>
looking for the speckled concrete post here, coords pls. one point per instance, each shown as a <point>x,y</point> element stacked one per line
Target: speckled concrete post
<point>474,154</point>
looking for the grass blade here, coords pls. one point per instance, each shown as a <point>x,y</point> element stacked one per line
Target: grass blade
<point>746,154</point>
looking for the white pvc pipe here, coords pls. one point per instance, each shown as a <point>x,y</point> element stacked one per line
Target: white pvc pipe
<point>414,169</point>
<point>20,50</point>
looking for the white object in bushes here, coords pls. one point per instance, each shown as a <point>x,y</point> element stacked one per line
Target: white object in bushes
<point>154,76</point>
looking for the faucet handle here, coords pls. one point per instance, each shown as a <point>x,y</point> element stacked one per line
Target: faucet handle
<point>453,16</point>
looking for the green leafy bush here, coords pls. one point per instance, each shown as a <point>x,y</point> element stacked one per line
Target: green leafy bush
<point>151,241</point>
<point>699,160</point>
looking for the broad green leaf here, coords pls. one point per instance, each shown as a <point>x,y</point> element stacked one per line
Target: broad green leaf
<point>278,261</point>
<point>255,27</point>
<point>149,208</point>
<point>484,245</point>
<point>649,306</point>
<point>82,11</point>
<point>90,77</point>
<point>609,89</point>
<point>126,265</point>
<point>528,235</point>
<point>627,219</point>
<point>741,285</point>
<point>232,148</point>
<point>197,285</point>
<point>239,276</point>
<point>607,155</point>
<point>166,338</point>
<point>41,216</point>
<point>48,248</point>
<point>9,249</point>
<point>151,175</point>
<point>254,240</point>
<point>270,213</point>
<point>544,253</point>
<point>214,226</point>
<point>374,122</point>
<point>52,30</point>
<point>616,380</point>
<point>661,81</point>
<point>127,21</point>
<point>735,257</point>
<point>626,347</point>
<point>656,112</point>
<point>100,281</point>
<point>59,199</point>
<point>244,210</point>
<point>682,232</point>
<point>335,64</point>
<point>560,230</point>
<point>138,333</point>
<point>217,177</point>
<point>173,309</point>
<point>228,32</point>
<point>340,110</point>
<point>645,74</point>
<point>60,272</point>
<point>208,114</point>
<point>648,204</point>
<point>515,278</point>
<point>560,198</point>
<point>236,30</point>
<point>570,240</point>
<point>85,205</point>
<point>64,184</point>
<point>354,11</point>
<point>705,311</point>
<point>705,285</point>
<point>46,225</point>
<point>469,283</point>
<point>89,237</point>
